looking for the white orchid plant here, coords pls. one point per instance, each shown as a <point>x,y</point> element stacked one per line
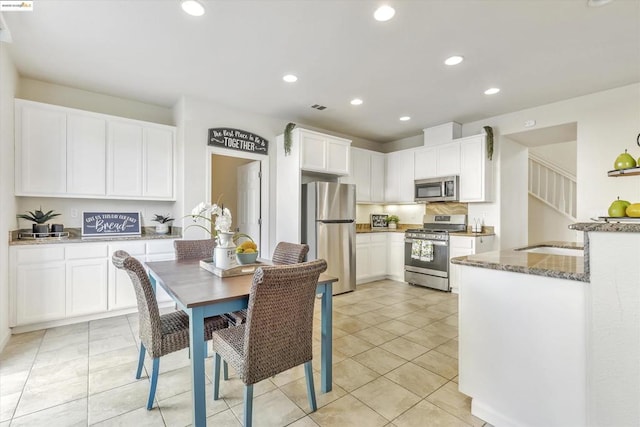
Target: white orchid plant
<point>204,211</point>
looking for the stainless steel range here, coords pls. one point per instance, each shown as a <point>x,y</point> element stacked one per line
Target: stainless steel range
<point>426,251</point>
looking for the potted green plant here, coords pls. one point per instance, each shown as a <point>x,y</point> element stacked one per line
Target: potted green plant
<point>40,219</point>
<point>163,223</point>
<point>393,221</point>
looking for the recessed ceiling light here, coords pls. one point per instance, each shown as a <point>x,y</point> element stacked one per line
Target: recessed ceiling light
<point>405,118</point>
<point>597,3</point>
<point>384,13</point>
<point>491,91</point>
<point>454,60</point>
<point>356,101</point>
<point>193,7</point>
<point>290,78</point>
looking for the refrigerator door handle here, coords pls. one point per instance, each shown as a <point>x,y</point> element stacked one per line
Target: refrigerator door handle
<point>336,221</point>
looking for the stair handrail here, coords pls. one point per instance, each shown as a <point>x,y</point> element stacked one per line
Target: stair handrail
<point>553,167</point>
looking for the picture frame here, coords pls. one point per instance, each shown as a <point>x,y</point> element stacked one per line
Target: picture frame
<point>379,221</point>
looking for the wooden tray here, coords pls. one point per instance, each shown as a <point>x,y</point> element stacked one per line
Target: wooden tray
<point>238,270</point>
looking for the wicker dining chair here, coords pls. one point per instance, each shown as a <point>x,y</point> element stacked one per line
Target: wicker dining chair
<point>289,253</point>
<point>194,249</point>
<point>284,253</point>
<point>159,334</point>
<point>271,342</point>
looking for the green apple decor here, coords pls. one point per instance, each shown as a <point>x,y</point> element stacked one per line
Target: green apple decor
<point>618,208</point>
<point>624,161</point>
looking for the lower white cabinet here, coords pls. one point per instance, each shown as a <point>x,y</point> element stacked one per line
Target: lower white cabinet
<point>371,257</point>
<point>395,266</point>
<point>379,256</point>
<point>64,281</point>
<point>463,246</point>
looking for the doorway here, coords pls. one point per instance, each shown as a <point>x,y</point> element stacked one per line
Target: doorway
<point>236,185</point>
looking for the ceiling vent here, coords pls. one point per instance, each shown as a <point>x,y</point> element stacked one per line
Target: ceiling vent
<point>318,107</point>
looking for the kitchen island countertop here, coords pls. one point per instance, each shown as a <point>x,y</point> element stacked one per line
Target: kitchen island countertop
<point>518,261</point>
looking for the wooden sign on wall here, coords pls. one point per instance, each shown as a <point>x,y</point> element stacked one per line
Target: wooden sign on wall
<point>237,139</point>
<point>110,224</point>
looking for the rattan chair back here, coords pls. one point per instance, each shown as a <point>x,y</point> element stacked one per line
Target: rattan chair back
<point>194,249</point>
<point>279,329</point>
<point>149,315</point>
<point>289,253</point>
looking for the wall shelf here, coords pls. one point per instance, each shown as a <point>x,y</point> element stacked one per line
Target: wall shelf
<point>624,172</point>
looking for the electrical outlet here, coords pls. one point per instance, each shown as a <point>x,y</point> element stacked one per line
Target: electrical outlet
<point>74,213</point>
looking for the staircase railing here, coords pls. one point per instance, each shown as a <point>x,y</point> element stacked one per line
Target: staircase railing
<point>553,186</point>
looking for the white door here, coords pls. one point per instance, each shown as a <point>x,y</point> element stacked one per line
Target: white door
<point>248,215</point>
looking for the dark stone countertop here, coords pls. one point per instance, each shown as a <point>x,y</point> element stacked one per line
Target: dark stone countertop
<point>75,236</point>
<point>540,264</point>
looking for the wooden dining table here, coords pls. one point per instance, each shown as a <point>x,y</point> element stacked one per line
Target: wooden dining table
<point>201,294</point>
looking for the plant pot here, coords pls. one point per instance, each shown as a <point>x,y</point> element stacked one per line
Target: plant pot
<point>40,229</point>
<point>162,228</point>
<point>393,225</point>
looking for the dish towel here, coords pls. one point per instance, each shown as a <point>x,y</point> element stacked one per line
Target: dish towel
<point>416,249</point>
<point>427,251</point>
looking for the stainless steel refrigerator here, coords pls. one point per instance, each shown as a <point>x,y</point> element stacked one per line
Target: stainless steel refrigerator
<point>329,228</point>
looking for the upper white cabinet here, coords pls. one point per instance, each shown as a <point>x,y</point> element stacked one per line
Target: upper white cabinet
<point>367,173</point>
<point>64,152</point>
<point>437,161</point>
<point>41,149</point>
<point>86,139</point>
<point>476,171</point>
<point>399,177</point>
<point>322,153</point>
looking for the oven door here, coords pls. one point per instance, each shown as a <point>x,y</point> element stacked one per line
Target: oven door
<point>439,266</point>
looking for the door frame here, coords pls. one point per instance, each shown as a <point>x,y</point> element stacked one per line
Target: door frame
<point>265,243</point>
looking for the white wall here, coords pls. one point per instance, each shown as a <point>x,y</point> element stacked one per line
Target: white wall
<point>513,194</point>
<point>547,224</point>
<point>408,214</point>
<point>561,155</point>
<point>8,83</point>
<point>607,125</point>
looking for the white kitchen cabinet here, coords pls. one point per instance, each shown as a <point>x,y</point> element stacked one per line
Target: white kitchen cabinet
<point>124,160</point>
<point>371,257</point>
<point>476,171</point>
<point>86,287</point>
<point>65,152</point>
<point>322,153</point>
<point>157,170</point>
<point>41,149</point>
<point>395,251</point>
<point>367,173</point>
<point>37,285</point>
<point>438,161</point>
<point>86,155</point>
<point>463,246</point>
<point>399,177</point>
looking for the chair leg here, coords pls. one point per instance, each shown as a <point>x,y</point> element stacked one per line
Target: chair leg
<point>154,382</point>
<point>225,371</point>
<point>248,405</point>
<point>140,361</point>
<point>216,376</point>
<point>311,391</point>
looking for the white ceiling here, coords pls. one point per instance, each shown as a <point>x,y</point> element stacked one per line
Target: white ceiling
<point>536,51</point>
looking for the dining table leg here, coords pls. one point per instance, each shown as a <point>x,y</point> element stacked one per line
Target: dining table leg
<point>326,351</point>
<point>198,353</point>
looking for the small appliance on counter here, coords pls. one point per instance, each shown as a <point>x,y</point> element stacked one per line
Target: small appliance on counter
<point>426,251</point>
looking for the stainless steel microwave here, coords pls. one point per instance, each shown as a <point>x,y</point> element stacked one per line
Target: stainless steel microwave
<point>444,189</point>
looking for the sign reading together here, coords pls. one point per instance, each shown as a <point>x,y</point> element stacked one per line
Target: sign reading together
<point>237,139</point>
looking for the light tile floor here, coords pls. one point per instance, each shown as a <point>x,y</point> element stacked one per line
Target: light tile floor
<point>395,364</point>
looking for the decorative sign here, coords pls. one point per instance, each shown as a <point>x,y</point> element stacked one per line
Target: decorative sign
<point>379,221</point>
<point>110,224</point>
<point>237,139</point>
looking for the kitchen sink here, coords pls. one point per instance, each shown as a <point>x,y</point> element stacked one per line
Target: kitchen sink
<point>550,250</point>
